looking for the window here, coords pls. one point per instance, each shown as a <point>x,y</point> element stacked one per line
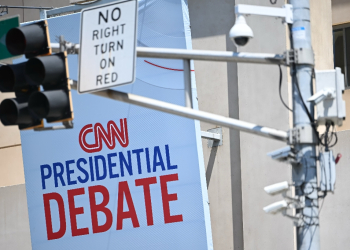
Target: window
<point>341,50</point>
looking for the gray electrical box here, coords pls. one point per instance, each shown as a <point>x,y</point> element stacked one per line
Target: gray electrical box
<point>330,85</point>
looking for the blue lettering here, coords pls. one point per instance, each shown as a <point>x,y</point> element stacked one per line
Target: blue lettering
<point>104,168</point>
<point>169,166</point>
<point>43,176</point>
<point>69,172</point>
<point>112,165</point>
<point>58,174</point>
<point>82,160</point>
<point>127,164</point>
<point>91,169</point>
<point>156,163</point>
<point>148,161</point>
<point>137,152</point>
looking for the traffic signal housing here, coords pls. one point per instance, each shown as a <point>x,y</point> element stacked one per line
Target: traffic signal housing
<point>55,102</point>
<point>31,40</point>
<point>15,111</point>
<point>41,84</point>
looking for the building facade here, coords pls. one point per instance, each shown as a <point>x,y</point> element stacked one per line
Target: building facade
<point>237,171</point>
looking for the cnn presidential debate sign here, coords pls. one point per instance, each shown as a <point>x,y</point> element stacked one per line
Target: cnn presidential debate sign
<point>125,177</point>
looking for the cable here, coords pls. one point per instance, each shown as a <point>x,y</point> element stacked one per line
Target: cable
<point>301,97</point>
<point>336,140</point>
<point>336,137</point>
<point>326,141</point>
<point>280,89</point>
<point>327,137</point>
<point>298,89</point>
<point>319,211</point>
<point>273,1</point>
<point>312,121</point>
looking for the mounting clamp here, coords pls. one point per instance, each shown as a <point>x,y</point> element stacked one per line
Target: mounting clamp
<point>214,137</point>
<point>65,125</point>
<point>299,56</point>
<point>301,135</point>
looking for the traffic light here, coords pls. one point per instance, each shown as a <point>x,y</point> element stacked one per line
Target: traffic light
<point>15,111</point>
<point>31,40</point>
<point>54,103</point>
<point>41,84</point>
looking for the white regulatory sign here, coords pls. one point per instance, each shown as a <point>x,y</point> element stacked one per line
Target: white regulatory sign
<point>107,46</point>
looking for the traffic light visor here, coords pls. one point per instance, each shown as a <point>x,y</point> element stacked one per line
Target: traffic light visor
<point>14,113</point>
<point>31,40</point>
<point>12,77</point>
<point>7,79</point>
<point>15,41</point>
<point>46,70</point>
<point>50,104</point>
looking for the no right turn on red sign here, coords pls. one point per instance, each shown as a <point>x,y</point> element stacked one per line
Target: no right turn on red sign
<point>107,46</point>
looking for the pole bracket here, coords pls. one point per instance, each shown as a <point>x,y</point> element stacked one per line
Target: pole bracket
<point>4,10</point>
<point>286,12</point>
<point>302,135</point>
<point>214,137</point>
<point>65,125</point>
<point>300,56</point>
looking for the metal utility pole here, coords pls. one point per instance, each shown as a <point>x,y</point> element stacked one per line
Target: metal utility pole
<point>304,173</point>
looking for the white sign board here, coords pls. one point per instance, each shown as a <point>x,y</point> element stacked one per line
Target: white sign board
<point>107,46</point>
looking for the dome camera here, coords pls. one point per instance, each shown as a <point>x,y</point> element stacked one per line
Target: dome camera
<point>240,33</point>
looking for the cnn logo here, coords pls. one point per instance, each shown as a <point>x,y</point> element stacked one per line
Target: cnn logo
<point>108,137</point>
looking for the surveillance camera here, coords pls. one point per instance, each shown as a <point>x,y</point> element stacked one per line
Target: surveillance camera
<point>240,33</point>
<point>281,154</point>
<point>277,188</point>
<point>276,207</point>
<point>327,93</point>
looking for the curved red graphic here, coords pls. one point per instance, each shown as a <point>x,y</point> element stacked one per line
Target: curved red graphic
<point>102,135</point>
<point>164,67</point>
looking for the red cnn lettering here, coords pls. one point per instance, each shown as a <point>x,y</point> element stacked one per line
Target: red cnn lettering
<point>50,234</point>
<point>101,135</point>
<point>121,215</point>
<point>166,197</point>
<point>74,211</point>
<point>100,208</point>
<point>146,182</point>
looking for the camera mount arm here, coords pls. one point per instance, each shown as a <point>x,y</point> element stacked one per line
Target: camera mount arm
<point>286,12</point>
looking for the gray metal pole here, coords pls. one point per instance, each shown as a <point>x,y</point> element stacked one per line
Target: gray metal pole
<point>184,54</point>
<point>187,81</point>
<point>209,55</point>
<point>305,173</point>
<point>191,113</point>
